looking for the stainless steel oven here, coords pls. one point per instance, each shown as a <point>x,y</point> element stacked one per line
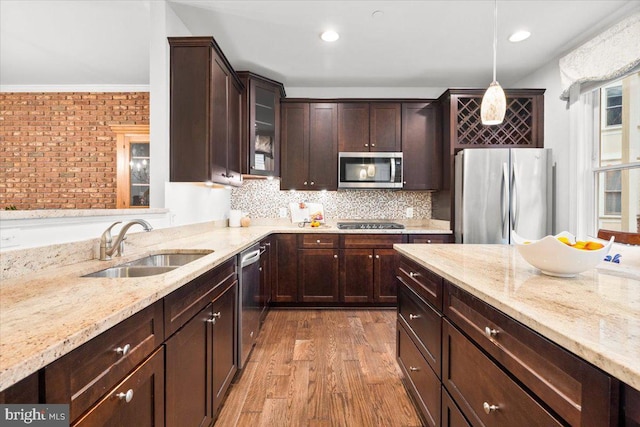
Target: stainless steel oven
<point>368,170</point>
<point>249,309</point>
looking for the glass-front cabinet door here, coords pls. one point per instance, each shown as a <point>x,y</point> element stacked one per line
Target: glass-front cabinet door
<point>134,163</point>
<point>261,125</point>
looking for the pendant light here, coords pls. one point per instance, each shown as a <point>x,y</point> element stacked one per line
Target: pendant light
<point>494,102</point>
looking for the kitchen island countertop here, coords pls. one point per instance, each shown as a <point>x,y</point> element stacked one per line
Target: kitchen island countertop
<point>47,309</point>
<point>595,315</point>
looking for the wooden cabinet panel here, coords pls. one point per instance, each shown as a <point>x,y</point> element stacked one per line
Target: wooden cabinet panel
<point>285,285</point>
<point>451,415</point>
<point>423,323</point>
<point>353,126</point>
<point>431,238</point>
<point>189,373</point>
<point>318,275</point>
<point>137,401</point>
<point>223,321</point>
<point>82,376</point>
<point>575,390</point>
<point>424,282</point>
<point>630,407</point>
<point>356,275</point>
<point>422,382</point>
<point>486,395</point>
<point>234,142</point>
<point>385,266</point>
<point>385,127</point>
<point>26,390</point>
<point>318,241</point>
<point>266,275</point>
<point>295,145</point>
<point>421,146</point>
<point>183,303</point>
<point>323,146</point>
<point>376,241</point>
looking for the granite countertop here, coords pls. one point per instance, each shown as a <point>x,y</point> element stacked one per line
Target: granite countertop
<point>595,315</point>
<point>47,309</point>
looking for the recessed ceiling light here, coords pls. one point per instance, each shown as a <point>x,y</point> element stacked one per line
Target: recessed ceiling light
<point>329,36</point>
<point>518,36</point>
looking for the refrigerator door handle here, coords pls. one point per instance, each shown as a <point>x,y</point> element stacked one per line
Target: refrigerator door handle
<point>514,198</point>
<point>504,200</point>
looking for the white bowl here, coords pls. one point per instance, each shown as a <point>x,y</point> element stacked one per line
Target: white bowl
<point>555,258</point>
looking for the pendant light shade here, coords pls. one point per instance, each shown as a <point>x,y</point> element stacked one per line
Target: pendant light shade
<point>494,102</point>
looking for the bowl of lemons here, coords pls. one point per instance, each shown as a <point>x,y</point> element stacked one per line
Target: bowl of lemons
<point>562,255</point>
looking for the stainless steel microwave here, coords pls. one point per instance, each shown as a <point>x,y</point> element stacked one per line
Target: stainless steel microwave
<point>370,170</point>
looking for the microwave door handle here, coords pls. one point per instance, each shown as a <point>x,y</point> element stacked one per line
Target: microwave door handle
<point>393,171</point>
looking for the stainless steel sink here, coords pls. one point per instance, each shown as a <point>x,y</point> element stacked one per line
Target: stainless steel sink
<point>169,259</point>
<point>150,265</point>
<point>130,271</point>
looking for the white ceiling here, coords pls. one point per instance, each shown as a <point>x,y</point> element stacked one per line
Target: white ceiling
<point>414,43</point>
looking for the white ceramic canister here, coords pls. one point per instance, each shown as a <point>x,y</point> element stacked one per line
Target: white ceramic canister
<point>234,217</point>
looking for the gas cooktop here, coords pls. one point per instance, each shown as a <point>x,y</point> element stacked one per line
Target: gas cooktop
<point>370,226</point>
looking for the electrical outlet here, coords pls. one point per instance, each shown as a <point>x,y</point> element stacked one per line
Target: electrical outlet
<point>409,213</point>
<point>282,213</point>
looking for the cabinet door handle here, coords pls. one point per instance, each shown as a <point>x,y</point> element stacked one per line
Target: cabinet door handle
<point>490,333</point>
<point>127,397</point>
<point>412,274</point>
<point>413,368</point>
<point>414,316</point>
<point>123,351</point>
<point>489,408</point>
<point>214,318</point>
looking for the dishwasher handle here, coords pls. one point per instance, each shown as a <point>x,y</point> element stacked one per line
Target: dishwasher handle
<point>250,258</point>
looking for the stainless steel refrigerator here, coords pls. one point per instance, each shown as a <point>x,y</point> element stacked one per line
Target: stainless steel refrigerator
<point>498,190</point>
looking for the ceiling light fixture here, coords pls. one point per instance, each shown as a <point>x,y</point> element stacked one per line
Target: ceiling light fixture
<point>329,36</point>
<point>494,102</point>
<point>519,36</point>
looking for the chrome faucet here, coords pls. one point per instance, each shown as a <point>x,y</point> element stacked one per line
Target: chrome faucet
<point>109,248</point>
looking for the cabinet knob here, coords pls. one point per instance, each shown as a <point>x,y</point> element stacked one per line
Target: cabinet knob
<point>259,268</point>
<point>366,145</point>
<point>318,241</point>
<point>428,240</point>
<point>217,315</point>
<point>313,183</point>
<point>123,351</point>
<point>404,182</point>
<point>251,334</point>
<point>127,397</point>
<point>373,145</point>
<point>412,274</point>
<point>335,256</point>
<point>370,256</point>
<point>490,333</point>
<point>414,316</point>
<point>377,256</point>
<point>489,408</point>
<point>413,368</point>
<point>305,183</point>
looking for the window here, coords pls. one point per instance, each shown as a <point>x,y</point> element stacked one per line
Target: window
<point>613,108</point>
<point>617,160</point>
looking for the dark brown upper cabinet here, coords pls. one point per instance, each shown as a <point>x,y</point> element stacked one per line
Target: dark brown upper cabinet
<point>364,126</point>
<point>309,146</point>
<point>260,138</point>
<point>205,97</point>
<point>421,146</point>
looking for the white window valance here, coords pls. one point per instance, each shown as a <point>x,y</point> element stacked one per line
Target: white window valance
<point>611,54</point>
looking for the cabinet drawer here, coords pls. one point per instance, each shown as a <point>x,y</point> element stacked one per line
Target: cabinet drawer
<point>81,377</point>
<point>577,391</point>
<point>421,381</point>
<point>431,238</point>
<point>185,302</point>
<point>317,241</point>
<point>370,241</point>
<point>423,323</point>
<point>425,283</point>
<point>451,415</point>
<point>486,395</point>
<point>138,400</point>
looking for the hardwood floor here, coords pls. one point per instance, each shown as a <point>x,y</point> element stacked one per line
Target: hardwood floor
<point>322,368</point>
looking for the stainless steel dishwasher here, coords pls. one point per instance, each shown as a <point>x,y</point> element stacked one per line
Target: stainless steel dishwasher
<point>249,301</point>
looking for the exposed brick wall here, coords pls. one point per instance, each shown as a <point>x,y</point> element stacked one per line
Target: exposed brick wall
<point>57,150</point>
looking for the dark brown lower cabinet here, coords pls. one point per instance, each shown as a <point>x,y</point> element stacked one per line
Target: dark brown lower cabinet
<point>420,380</point>
<point>224,352</point>
<point>356,275</point>
<point>384,276</point>
<point>630,406</point>
<point>451,415</point>
<point>189,373</point>
<point>137,401</point>
<point>486,394</point>
<point>26,390</point>
<point>318,275</point>
<point>285,285</point>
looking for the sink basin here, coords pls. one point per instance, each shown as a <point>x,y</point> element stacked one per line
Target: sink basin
<point>131,271</point>
<point>166,260</point>
<point>150,265</point>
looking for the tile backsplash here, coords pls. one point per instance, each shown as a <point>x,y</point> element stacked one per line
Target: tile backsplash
<point>263,199</point>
